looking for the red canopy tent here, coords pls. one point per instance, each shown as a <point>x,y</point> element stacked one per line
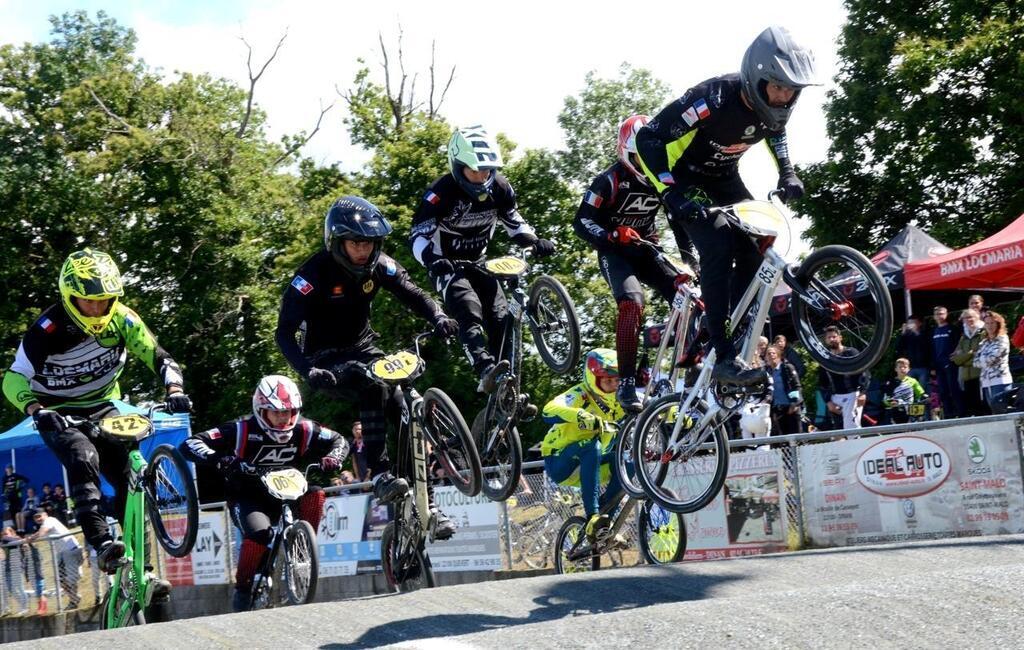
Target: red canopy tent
<point>993,263</point>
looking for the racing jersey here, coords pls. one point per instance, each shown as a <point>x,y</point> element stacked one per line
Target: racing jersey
<point>903,391</point>
<point>564,413</point>
<point>332,307</point>
<point>451,224</point>
<point>247,440</point>
<point>12,485</point>
<point>616,198</point>
<point>57,364</point>
<point>706,131</point>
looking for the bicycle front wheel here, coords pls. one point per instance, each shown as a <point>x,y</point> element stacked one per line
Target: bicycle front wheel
<point>662,534</point>
<point>452,442</point>
<point>554,325</point>
<point>172,501</point>
<point>302,563</point>
<point>572,550</point>
<point>502,460</point>
<point>406,565</point>
<point>690,475</point>
<point>124,611</point>
<point>846,292</point>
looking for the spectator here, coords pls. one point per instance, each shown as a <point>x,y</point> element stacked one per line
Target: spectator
<point>913,345</point>
<point>790,355</point>
<point>977,303</point>
<point>944,340</point>
<point>13,485</point>
<point>28,507</point>
<point>60,505</point>
<point>902,390</point>
<point>786,394</point>
<point>347,477</point>
<point>99,587</point>
<point>360,467</point>
<point>69,553</point>
<point>963,356</point>
<point>845,394</point>
<point>993,358</point>
<point>14,568</point>
<point>762,346</point>
<point>46,499</point>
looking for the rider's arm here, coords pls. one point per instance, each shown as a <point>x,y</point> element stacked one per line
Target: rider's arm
<point>508,212</point>
<point>207,447</point>
<point>395,279</point>
<point>142,344</point>
<point>326,442</point>
<point>18,391</point>
<point>669,132</point>
<point>568,409</point>
<point>590,223</point>
<point>293,313</point>
<point>30,356</point>
<point>424,225</point>
<point>792,383</point>
<point>778,147</point>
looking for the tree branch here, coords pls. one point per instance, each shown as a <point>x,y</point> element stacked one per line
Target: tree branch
<point>297,145</point>
<point>254,78</point>
<point>127,127</point>
<point>432,108</point>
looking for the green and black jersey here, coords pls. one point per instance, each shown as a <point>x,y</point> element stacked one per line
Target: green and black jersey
<point>58,364</point>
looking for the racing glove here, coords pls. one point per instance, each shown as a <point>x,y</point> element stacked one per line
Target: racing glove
<point>49,421</point>
<point>330,464</point>
<point>319,378</point>
<point>446,327</point>
<point>791,186</point>
<point>543,247</point>
<point>623,235</point>
<point>179,403</point>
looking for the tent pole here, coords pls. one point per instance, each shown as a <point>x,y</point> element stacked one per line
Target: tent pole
<point>67,488</point>
<point>907,302</point>
<point>14,460</point>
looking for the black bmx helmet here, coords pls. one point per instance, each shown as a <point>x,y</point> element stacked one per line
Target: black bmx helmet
<point>354,219</point>
<point>775,57</point>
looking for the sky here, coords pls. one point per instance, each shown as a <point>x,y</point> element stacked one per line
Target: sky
<point>514,62</point>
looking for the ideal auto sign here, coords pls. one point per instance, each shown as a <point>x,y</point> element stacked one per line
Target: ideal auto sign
<point>903,466</point>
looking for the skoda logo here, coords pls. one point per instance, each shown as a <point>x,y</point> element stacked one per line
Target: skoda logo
<point>976,450</point>
<point>908,508</point>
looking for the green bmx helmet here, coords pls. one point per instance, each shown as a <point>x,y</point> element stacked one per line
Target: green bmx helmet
<point>91,275</point>
<point>474,148</point>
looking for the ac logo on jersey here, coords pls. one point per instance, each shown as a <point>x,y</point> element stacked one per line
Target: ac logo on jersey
<point>275,455</point>
<point>639,203</point>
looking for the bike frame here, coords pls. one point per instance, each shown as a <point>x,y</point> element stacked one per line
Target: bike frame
<point>418,451</point>
<point>262,581</point>
<point>119,609</point>
<point>511,349</point>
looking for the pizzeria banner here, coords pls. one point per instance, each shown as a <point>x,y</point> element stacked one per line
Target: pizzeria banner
<point>953,482</point>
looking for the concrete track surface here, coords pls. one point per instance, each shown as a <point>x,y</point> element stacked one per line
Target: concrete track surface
<point>939,594</point>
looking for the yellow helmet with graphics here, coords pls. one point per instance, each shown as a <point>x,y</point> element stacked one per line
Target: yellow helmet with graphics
<point>600,363</point>
<point>90,275</point>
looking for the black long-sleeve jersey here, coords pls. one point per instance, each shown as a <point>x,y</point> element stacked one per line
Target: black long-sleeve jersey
<point>707,130</point>
<point>332,307</point>
<point>616,198</point>
<point>451,224</point>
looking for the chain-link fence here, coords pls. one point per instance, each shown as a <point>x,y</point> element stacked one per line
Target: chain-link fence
<point>49,575</point>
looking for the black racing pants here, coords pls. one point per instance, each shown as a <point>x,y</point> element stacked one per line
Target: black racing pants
<point>476,301</point>
<point>721,247</point>
<point>86,456</point>
<point>379,406</point>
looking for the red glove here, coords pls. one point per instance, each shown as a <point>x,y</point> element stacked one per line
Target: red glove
<point>624,235</point>
<point>329,463</point>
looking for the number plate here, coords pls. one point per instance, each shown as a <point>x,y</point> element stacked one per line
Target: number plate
<point>510,266</point>
<point>679,302</point>
<point>916,410</point>
<point>129,426</point>
<point>766,274</point>
<point>397,366</point>
<point>285,484</point>
<point>515,309</point>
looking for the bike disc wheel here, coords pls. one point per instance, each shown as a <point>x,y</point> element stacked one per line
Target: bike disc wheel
<point>572,553</point>
<point>624,464</point>
<point>503,461</point>
<point>689,478</point>
<point>554,325</point>
<point>406,566</point>
<point>452,442</point>
<point>301,563</point>
<point>126,609</point>
<point>172,501</point>
<point>662,534</point>
<point>848,293</point>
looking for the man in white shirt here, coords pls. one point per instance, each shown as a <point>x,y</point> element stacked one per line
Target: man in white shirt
<point>69,552</point>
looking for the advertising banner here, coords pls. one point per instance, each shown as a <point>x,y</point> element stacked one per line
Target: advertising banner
<point>209,556</point>
<point>747,517</point>
<point>954,482</point>
<point>475,546</point>
<point>340,536</point>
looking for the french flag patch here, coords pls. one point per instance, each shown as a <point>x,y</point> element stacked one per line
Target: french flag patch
<point>47,325</point>
<point>301,285</point>
<point>666,178</point>
<point>702,108</point>
<point>593,199</point>
<point>431,198</point>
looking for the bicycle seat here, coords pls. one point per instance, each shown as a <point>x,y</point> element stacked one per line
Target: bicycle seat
<point>506,267</point>
<point>761,220</point>
<point>127,427</point>
<point>285,484</point>
<point>397,368</point>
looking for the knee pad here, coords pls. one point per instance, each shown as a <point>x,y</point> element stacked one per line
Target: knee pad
<point>262,537</point>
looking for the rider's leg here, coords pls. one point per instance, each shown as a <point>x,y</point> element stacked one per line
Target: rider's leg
<point>629,296</point>
<point>444,527</point>
<point>462,303</point>
<point>255,524</point>
<point>311,506</point>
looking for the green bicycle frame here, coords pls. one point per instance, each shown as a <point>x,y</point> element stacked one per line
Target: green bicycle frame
<point>129,590</point>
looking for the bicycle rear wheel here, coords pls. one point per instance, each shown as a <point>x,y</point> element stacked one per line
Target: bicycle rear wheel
<point>848,293</point>
<point>406,565</point>
<point>126,611</point>
<point>172,501</point>
<point>690,477</point>
<point>301,563</point>
<point>452,441</point>
<point>572,550</point>
<point>503,461</point>
<point>554,325</point>
<point>624,464</point>
<point>662,534</point>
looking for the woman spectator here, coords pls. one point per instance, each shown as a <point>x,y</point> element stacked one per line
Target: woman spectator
<point>993,357</point>
<point>786,393</point>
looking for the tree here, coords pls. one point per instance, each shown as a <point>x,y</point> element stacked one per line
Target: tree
<point>926,124</point>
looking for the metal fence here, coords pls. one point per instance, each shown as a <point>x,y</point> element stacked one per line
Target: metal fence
<point>48,575</point>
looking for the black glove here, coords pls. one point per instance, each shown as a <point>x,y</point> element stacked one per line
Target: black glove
<point>48,421</point>
<point>319,379</point>
<point>446,327</point>
<point>179,403</point>
<point>330,464</point>
<point>227,464</point>
<point>683,205</point>
<point>441,267</point>
<point>791,186</point>
<point>543,247</point>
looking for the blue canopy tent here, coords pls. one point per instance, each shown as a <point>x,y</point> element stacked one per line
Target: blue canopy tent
<point>22,447</point>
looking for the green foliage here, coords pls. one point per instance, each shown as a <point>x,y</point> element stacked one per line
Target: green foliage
<point>926,124</point>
